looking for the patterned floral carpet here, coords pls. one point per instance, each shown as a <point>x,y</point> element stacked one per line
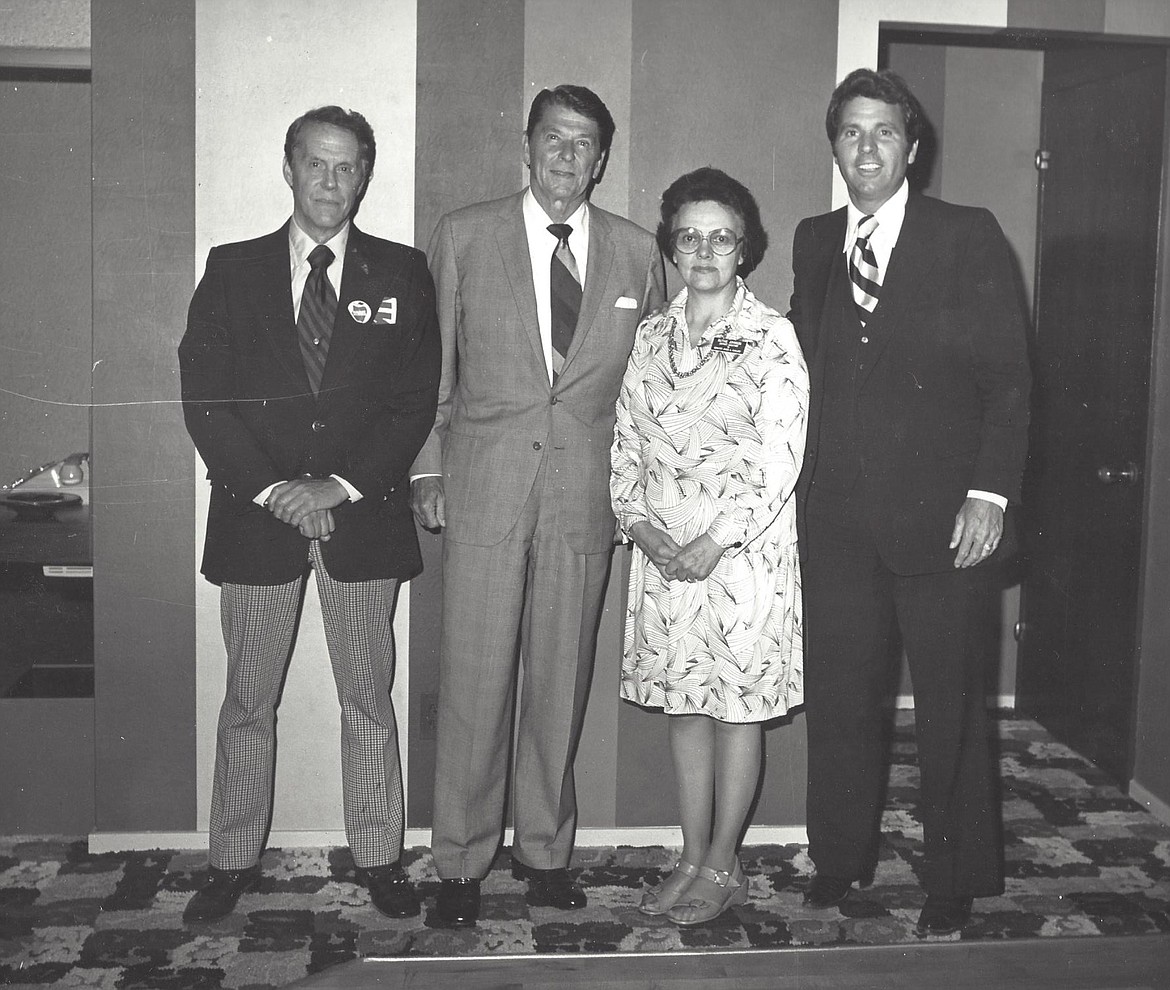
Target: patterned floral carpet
<point>1082,860</point>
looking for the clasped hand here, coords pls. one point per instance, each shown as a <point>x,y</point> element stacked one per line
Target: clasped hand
<point>693,562</point>
<point>307,503</point>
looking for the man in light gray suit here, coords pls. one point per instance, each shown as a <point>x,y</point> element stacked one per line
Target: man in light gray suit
<point>539,295</point>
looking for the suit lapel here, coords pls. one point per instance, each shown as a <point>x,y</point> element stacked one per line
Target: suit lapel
<point>909,265</point>
<point>829,263</point>
<point>512,241</point>
<point>359,283</point>
<point>276,309</point>
<point>600,264</point>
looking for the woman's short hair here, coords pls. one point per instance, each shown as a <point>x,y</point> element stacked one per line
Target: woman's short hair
<point>713,185</point>
<point>347,120</point>
<point>883,85</point>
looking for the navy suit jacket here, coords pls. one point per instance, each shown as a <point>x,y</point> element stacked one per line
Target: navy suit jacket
<point>942,405</point>
<point>255,421</point>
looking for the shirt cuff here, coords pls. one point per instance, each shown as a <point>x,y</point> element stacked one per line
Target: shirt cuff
<point>263,497</point>
<point>353,493</point>
<point>989,497</point>
<point>434,474</point>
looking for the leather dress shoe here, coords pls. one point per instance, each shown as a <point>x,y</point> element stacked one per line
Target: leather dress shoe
<point>826,891</point>
<point>218,896</point>
<point>943,915</point>
<point>390,892</point>
<point>549,888</point>
<point>457,905</point>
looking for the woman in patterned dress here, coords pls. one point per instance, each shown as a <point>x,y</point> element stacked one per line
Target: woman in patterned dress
<point>707,448</point>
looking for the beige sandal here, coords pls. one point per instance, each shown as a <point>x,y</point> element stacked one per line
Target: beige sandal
<point>697,910</point>
<point>664,895</point>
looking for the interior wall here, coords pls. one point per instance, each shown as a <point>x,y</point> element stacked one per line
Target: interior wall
<point>143,194</point>
<point>46,285</point>
<point>256,70</point>
<point>470,95</point>
<point>144,101</point>
<point>640,60</point>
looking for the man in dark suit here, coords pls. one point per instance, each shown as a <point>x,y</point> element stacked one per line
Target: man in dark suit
<point>310,370</point>
<point>908,312</point>
<point>539,296</point>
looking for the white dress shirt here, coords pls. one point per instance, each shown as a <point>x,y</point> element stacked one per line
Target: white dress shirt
<point>890,216</point>
<point>541,245</point>
<point>300,246</point>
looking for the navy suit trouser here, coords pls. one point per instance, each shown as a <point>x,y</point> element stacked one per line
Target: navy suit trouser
<point>853,605</point>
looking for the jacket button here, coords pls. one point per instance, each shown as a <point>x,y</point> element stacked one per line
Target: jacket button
<point>318,426</point>
<point>554,400</point>
<point>536,445</point>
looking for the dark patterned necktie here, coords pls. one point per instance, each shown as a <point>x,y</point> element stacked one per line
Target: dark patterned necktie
<point>318,309</point>
<point>565,293</point>
<point>863,270</point>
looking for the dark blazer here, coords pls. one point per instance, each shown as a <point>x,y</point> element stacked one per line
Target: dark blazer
<point>942,404</point>
<point>253,417</point>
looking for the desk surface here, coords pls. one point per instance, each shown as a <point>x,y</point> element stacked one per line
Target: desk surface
<point>62,539</point>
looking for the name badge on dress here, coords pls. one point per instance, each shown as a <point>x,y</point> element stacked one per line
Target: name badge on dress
<point>728,346</point>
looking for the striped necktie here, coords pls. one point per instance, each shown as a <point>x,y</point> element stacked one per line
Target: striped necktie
<point>863,270</point>
<point>565,293</point>
<point>318,309</point>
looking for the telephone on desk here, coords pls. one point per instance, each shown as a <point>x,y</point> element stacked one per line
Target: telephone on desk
<point>51,486</point>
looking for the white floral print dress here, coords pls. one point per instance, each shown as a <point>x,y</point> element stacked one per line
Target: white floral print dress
<point>710,440</point>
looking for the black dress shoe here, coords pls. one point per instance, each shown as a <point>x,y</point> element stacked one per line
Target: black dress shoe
<point>390,892</point>
<point>549,888</point>
<point>943,915</point>
<point>218,896</point>
<point>457,905</point>
<point>826,891</point>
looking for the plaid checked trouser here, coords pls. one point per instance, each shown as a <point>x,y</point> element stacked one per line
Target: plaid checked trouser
<point>259,624</point>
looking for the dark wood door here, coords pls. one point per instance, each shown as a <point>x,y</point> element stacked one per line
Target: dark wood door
<point>1102,123</point>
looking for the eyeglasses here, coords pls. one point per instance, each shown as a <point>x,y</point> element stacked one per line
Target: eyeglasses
<point>686,240</point>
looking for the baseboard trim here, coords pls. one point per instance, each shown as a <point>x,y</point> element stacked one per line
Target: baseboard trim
<point>587,838</point>
<point>997,701</point>
<point>1155,806</point>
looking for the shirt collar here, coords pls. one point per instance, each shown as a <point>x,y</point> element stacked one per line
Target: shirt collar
<point>536,219</point>
<point>889,218</point>
<point>301,244</point>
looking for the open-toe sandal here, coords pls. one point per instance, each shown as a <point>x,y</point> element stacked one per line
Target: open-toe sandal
<point>665,894</point>
<point>732,889</point>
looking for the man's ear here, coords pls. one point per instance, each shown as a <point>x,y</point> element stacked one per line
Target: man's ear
<point>526,153</point>
<point>913,153</point>
<point>286,168</point>
<point>599,168</point>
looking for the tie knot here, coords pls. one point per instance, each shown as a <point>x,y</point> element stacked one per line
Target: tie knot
<point>561,232</point>
<point>866,226</point>
<point>320,257</point>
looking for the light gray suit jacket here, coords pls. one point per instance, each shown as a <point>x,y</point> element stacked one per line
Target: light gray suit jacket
<point>498,415</point>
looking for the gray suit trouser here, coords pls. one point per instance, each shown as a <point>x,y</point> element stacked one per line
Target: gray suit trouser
<point>533,591</point>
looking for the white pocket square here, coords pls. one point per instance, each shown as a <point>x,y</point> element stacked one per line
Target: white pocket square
<point>625,302</point>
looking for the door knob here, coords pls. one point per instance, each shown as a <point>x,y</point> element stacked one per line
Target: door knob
<point>1128,474</point>
<point>1018,630</point>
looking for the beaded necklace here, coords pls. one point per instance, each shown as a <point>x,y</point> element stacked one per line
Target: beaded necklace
<point>672,353</point>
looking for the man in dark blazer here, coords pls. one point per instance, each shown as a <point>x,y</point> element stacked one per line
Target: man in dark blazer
<point>310,370</point>
<point>517,470</point>
<point>908,312</point>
